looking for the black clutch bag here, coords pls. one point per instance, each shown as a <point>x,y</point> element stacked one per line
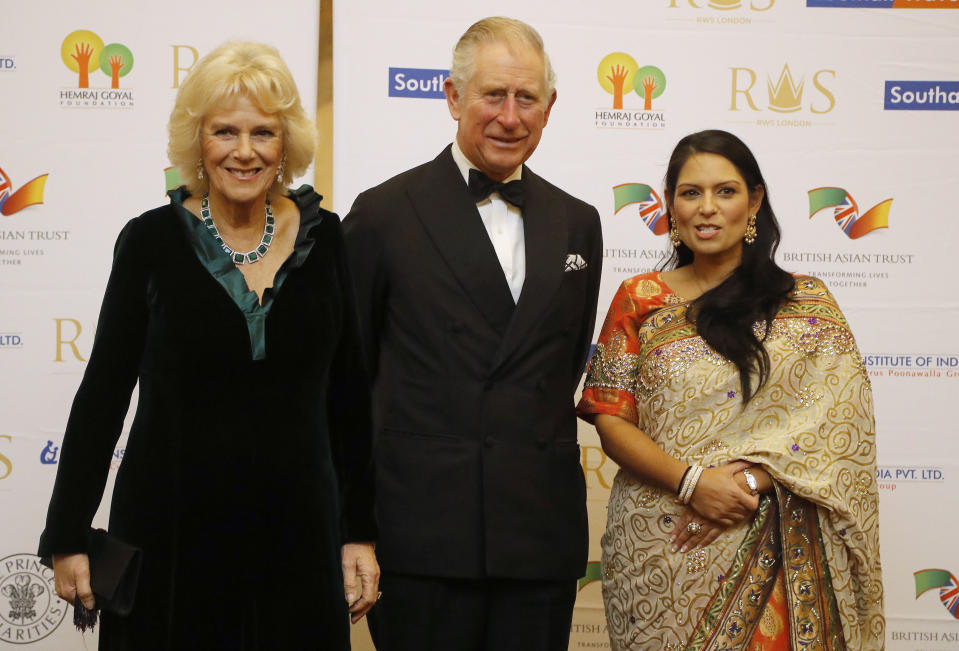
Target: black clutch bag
<point>114,571</point>
<point>114,574</point>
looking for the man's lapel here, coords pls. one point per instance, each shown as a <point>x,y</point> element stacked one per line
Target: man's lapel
<point>545,234</point>
<point>449,215</point>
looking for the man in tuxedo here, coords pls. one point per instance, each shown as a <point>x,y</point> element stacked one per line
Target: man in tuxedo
<point>477,283</point>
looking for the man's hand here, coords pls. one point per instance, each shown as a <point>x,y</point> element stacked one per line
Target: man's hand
<point>361,578</point>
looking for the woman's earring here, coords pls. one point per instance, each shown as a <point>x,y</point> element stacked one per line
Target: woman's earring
<point>199,169</point>
<point>674,236</point>
<point>750,235</point>
<point>279,170</point>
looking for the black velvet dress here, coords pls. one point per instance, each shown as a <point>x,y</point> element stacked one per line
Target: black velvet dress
<point>248,462</point>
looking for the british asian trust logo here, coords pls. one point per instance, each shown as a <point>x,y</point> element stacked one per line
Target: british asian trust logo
<point>13,201</point>
<point>642,201</point>
<point>83,52</point>
<point>947,584</point>
<point>30,609</point>
<point>849,268</point>
<point>620,75</point>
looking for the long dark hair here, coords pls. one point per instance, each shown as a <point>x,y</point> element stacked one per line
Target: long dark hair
<point>757,288</point>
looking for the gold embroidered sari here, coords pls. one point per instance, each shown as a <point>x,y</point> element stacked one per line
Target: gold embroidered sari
<point>804,572</point>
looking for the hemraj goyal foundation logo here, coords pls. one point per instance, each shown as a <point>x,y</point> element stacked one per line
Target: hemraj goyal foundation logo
<point>620,75</point>
<point>83,52</point>
<point>30,609</point>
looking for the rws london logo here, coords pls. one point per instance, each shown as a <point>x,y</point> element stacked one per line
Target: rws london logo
<point>787,93</point>
<point>83,52</point>
<point>30,609</point>
<point>722,12</point>
<point>620,75</point>
<point>921,95</point>
<point>947,584</point>
<point>13,200</point>
<point>417,82</point>
<point>846,211</point>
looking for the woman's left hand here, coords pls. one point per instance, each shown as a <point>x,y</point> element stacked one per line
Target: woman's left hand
<point>683,539</point>
<point>361,578</point>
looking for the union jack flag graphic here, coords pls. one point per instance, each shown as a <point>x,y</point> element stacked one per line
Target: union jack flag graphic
<point>846,211</point>
<point>946,582</point>
<point>651,208</point>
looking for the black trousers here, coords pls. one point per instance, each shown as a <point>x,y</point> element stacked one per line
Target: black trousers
<point>419,613</point>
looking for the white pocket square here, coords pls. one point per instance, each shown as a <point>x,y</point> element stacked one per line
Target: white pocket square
<point>574,262</point>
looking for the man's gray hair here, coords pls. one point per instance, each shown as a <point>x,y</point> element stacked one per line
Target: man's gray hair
<point>496,29</point>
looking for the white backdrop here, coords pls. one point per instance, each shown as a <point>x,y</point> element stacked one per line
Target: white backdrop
<point>715,61</point>
<point>721,63</point>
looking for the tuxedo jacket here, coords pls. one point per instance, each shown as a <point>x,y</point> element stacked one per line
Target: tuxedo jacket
<point>477,465</point>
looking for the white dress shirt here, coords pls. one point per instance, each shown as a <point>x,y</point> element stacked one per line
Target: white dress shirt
<point>504,223</point>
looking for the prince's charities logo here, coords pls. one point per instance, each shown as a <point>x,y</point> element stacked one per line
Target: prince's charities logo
<point>417,82</point>
<point>649,206</point>
<point>30,609</point>
<point>846,211</point>
<point>83,52</point>
<point>947,584</point>
<point>29,194</point>
<point>620,75</point>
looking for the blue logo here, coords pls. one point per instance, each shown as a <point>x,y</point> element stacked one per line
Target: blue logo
<point>48,455</point>
<point>922,96</point>
<point>874,4</point>
<point>417,82</point>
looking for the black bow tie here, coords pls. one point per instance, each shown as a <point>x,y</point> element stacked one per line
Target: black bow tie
<point>482,186</point>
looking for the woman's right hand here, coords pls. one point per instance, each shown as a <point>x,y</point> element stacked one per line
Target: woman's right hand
<point>71,575</point>
<point>718,497</point>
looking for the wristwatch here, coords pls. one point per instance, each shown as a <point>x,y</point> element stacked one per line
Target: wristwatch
<point>751,481</point>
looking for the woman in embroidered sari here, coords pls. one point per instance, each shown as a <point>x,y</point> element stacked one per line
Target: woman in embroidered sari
<point>734,399</point>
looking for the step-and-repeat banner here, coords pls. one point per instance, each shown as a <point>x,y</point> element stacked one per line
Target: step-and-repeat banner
<point>86,90</point>
<point>851,109</point>
<point>849,106</point>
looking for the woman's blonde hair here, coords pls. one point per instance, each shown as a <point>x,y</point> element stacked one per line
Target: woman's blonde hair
<point>232,70</point>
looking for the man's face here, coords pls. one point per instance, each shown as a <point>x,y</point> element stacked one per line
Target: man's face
<point>502,110</point>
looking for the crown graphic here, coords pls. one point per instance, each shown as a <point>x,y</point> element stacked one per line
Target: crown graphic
<point>724,4</point>
<point>785,96</point>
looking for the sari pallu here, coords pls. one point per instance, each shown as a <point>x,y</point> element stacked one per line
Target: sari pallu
<point>810,427</point>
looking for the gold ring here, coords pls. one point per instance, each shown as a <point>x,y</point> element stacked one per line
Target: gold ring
<point>694,528</point>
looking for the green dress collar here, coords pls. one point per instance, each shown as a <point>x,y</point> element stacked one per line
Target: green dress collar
<point>219,265</point>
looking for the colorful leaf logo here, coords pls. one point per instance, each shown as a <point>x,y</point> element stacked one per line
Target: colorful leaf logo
<point>651,208</point>
<point>30,194</point>
<point>946,582</point>
<point>846,211</point>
